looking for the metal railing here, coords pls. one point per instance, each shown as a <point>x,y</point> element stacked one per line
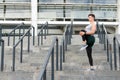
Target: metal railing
<point>13,32</point>
<point>63,47</point>
<point>66,39</point>
<point>43,32</point>
<point>116,50</point>
<point>21,47</point>
<point>103,37</point>
<point>42,75</point>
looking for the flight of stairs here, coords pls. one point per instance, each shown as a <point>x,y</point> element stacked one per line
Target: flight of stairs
<point>76,64</point>
<point>74,68</point>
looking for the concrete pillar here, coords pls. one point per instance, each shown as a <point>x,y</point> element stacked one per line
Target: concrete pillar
<point>118,15</point>
<point>34,15</point>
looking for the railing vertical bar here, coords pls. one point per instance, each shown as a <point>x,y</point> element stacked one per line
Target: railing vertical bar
<point>21,52</point>
<point>14,38</point>
<point>61,55</point>
<point>115,56</point>
<point>65,42</point>
<point>104,41</point>
<point>19,32</point>
<point>13,63</point>
<point>52,65</point>
<point>33,36</point>
<point>119,57</point>
<point>63,50</point>
<point>2,56</point>
<point>8,40</point>
<point>47,28</point>
<point>29,41</point>
<point>107,51</point>
<point>44,76</point>
<point>42,37</point>
<point>38,39</point>
<point>56,54</point>
<point>45,32</point>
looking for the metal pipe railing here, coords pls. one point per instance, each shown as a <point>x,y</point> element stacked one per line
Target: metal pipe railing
<point>50,54</point>
<point>13,31</point>
<point>43,32</point>
<point>21,50</point>
<point>66,39</point>
<point>103,37</point>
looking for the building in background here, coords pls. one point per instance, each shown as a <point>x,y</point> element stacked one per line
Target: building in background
<point>58,10</point>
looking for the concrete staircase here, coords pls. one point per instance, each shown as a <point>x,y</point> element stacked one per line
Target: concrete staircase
<point>32,61</point>
<point>76,64</point>
<point>74,68</point>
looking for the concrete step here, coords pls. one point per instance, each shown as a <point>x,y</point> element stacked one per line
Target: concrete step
<point>32,59</point>
<point>18,75</point>
<point>91,75</point>
<point>76,64</point>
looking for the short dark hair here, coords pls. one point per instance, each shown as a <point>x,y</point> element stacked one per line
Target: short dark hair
<point>91,15</point>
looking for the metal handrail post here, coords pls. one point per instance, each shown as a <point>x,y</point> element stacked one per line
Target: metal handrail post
<point>13,63</point>
<point>44,76</point>
<point>102,32</point>
<point>119,56</point>
<point>104,40</point>
<point>19,32</point>
<point>29,41</point>
<point>2,56</point>
<point>61,55</point>
<point>65,41</point>
<point>63,50</point>
<point>21,52</point>
<point>33,36</point>
<point>69,36</point>
<point>107,51</point>
<point>45,32</point>
<point>23,30</point>
<point>47,28</point>
<point>42,37</point>
<point>14,38</point>
<point>115,54</point>
<point>56,54</point>
<point>52,65</point>
<point>8,40</point>
<point>38,39</point>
